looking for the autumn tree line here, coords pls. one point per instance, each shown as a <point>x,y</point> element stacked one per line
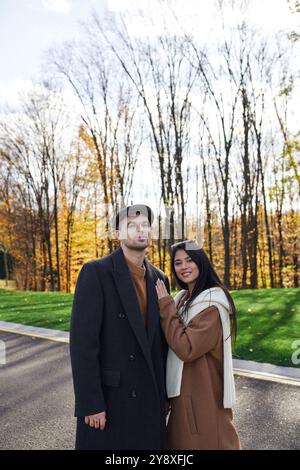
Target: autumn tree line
<point>206,127</point>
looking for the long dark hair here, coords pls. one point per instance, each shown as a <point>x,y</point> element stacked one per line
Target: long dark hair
<point>208,278</point>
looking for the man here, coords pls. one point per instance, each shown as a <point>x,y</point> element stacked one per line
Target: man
<point>118,351</point>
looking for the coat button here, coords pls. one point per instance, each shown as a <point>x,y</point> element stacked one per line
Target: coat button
<point>133,394</point>
<point>132,357</point>
<point>122,315</point>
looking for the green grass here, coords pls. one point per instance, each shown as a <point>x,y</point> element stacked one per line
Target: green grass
<point>268,324</point>
<point>268,319</point>
<point>44,309</point>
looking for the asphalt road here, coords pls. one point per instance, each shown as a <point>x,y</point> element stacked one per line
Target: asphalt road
<point>36,401</point>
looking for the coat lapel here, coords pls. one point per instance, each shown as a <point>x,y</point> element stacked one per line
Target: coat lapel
<point>152,303</point>
<point>129,300</point>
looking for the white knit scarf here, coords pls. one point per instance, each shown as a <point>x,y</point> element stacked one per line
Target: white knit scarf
<point>214,296</point>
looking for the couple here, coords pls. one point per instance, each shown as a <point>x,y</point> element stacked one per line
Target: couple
<point>125,377</point>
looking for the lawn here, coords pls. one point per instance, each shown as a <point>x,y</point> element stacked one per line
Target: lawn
<point>45,309</point>
<point>268,324</point>
<point>268,319</point>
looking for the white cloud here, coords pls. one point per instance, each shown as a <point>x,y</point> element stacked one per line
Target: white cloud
<point>10,92</point>
<point>13,93</point>
<point>272,15</point>
<point>122,5</point>
<point>59,6</point>
<point>199,17</point>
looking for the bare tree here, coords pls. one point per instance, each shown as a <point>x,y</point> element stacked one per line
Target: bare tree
<point>32,145</point>
<point>163,78</point>
<point>107,113</point>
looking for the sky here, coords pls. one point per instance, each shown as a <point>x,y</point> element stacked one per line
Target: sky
<point>29,27</point>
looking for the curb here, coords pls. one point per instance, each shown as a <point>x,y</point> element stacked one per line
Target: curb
<point>34,331</point>
<point>264,371</point>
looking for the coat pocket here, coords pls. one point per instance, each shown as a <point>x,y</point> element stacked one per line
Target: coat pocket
<point>111,378</point>
<point>190,415</point>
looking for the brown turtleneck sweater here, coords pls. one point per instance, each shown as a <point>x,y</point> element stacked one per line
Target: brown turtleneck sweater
<point>138,276</point>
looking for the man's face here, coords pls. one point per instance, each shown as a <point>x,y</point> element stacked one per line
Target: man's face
<point>134,232</point>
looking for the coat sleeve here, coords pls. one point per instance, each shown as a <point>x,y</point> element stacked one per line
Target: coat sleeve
<point>85,348</point>
<point>197,338</point>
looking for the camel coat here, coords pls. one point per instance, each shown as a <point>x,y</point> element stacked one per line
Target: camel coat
<point>198,419</point>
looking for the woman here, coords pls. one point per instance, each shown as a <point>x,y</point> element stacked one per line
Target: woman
<point>198,325</point>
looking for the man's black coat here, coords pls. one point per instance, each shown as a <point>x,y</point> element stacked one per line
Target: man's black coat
<point>118,366</point>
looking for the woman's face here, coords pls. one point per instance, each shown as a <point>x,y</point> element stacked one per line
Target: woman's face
<point>186,269</point>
